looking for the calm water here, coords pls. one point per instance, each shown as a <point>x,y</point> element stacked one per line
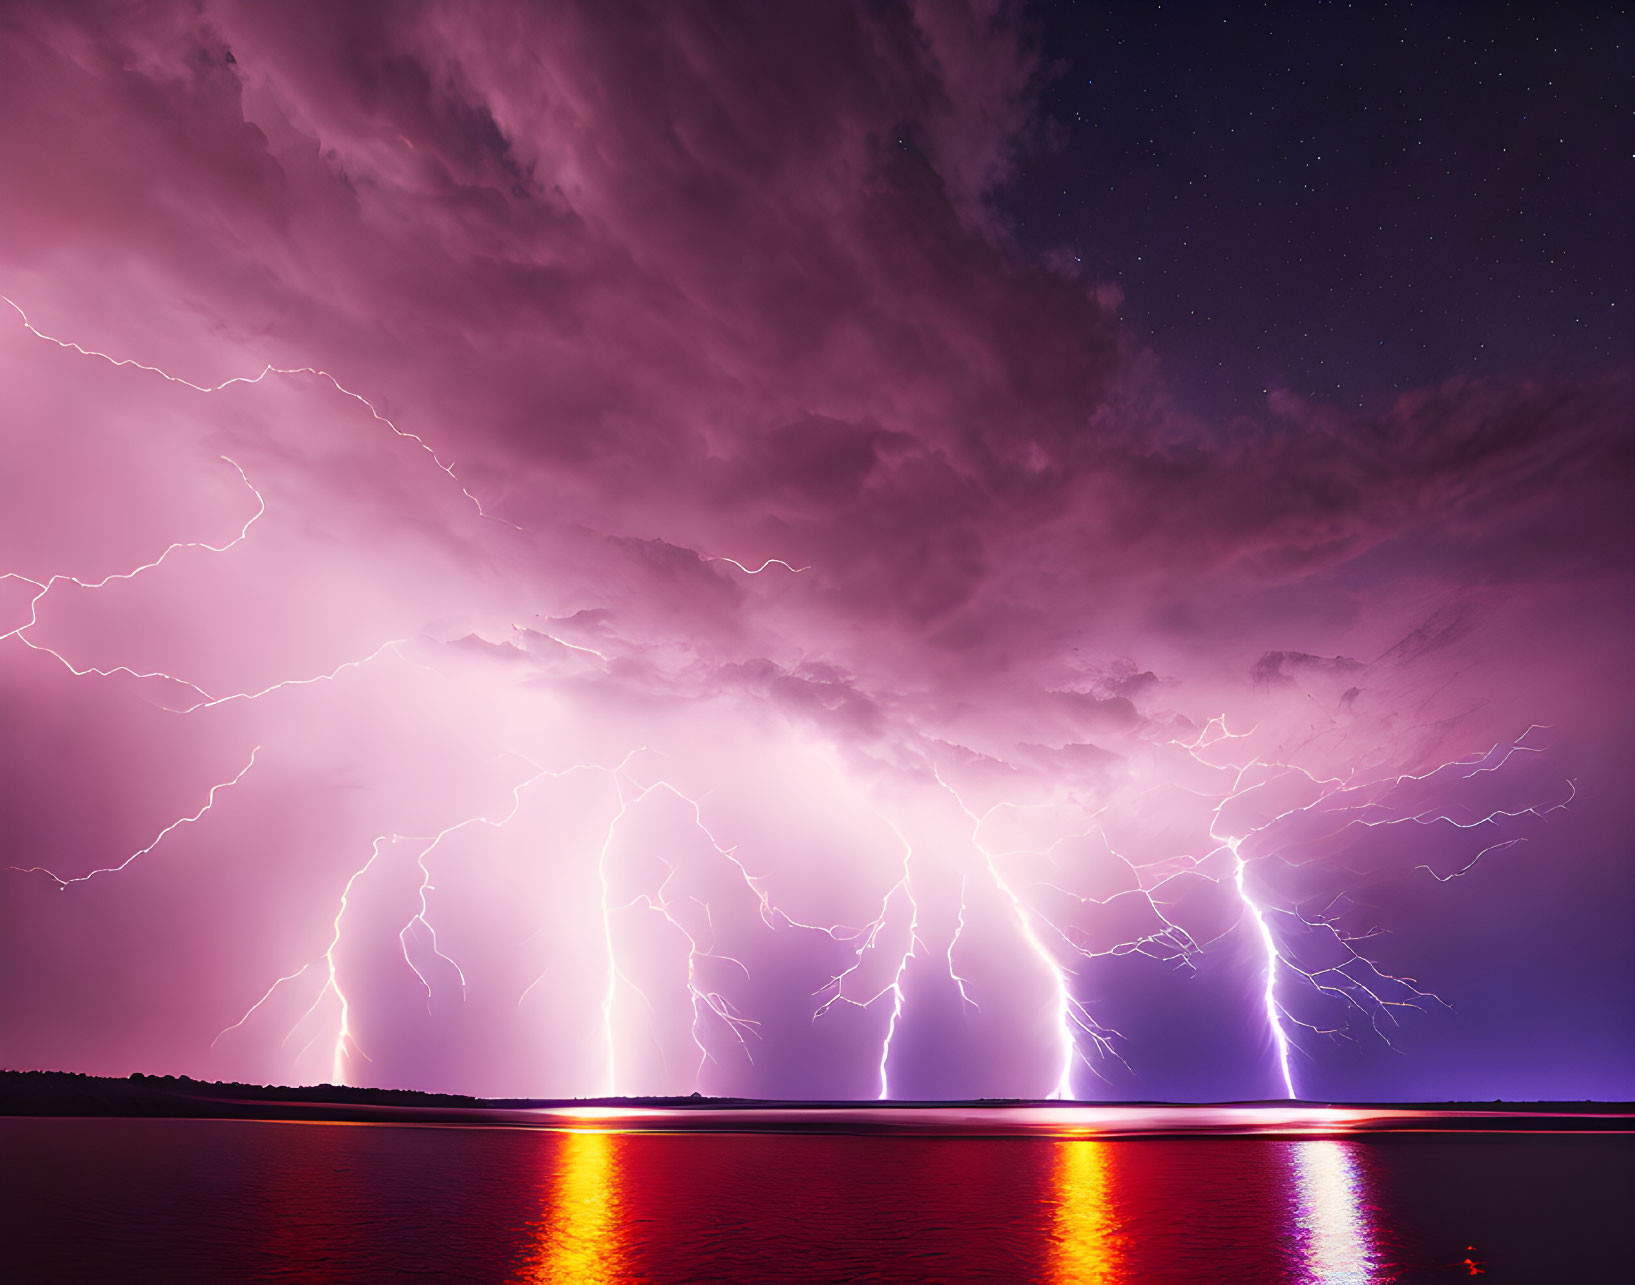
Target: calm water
<point>142,1199</point>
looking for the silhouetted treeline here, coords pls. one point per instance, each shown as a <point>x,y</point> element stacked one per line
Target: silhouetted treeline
<point>69,1093</point>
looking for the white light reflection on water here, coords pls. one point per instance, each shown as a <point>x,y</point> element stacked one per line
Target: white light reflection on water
<point>1332,1213</point>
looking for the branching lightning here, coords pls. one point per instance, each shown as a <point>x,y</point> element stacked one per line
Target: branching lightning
<point>1357,980</point>
<point>44,587</point>
<point>1251,856</point>
<point>1068,1012</point>
<point>867,938</point>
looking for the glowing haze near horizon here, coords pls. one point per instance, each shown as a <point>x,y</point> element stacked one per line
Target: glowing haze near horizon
<point>556,552</point>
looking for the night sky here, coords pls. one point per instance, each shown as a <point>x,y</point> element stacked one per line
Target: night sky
<point>1346,201</point>
<point>819,550</point>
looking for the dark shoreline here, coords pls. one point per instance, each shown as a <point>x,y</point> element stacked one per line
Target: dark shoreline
<point>60,1093</point>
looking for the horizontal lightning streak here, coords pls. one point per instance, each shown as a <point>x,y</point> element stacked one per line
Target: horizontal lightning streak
<point>755,571</point>
<point>45,586</point>
<point>212,702</point>
<point>209,803</point>
<point>256,379</point>
<point>266,995</point>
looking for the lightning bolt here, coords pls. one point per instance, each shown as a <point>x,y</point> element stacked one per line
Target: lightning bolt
<point>953,943</point>
<point>1274,1013</point>
<point>755,571</point>
<point>344,1041</point>
<point>1066,1018</point>
<point>701,999</point>
<point>210,702</point>
<point>773,917</point>
<point>317,372</point>
<point>266,371</point>
<point>1357,980</point>
<point>867,939</point>
<point>44,587</point>
<point>205,699</point>
<point>209,803</point>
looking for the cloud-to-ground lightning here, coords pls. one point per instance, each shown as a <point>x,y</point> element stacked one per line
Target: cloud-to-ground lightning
<point>203,699</point>
<point>1357,980</point>
<point>867,939</point>
<point>1274,1015</point>
<point>1066,1016</point>
<point>331,984</point>
<point>1358,800</point>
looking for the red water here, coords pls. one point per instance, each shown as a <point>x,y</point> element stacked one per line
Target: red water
<point>118,1199</point>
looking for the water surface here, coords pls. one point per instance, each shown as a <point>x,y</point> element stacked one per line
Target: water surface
<point>176,1199</point>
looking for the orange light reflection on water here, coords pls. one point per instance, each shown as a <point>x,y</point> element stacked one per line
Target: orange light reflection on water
<point>579,1235</point>
<point>1089,1244</point>
<point>1337,1235</point>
